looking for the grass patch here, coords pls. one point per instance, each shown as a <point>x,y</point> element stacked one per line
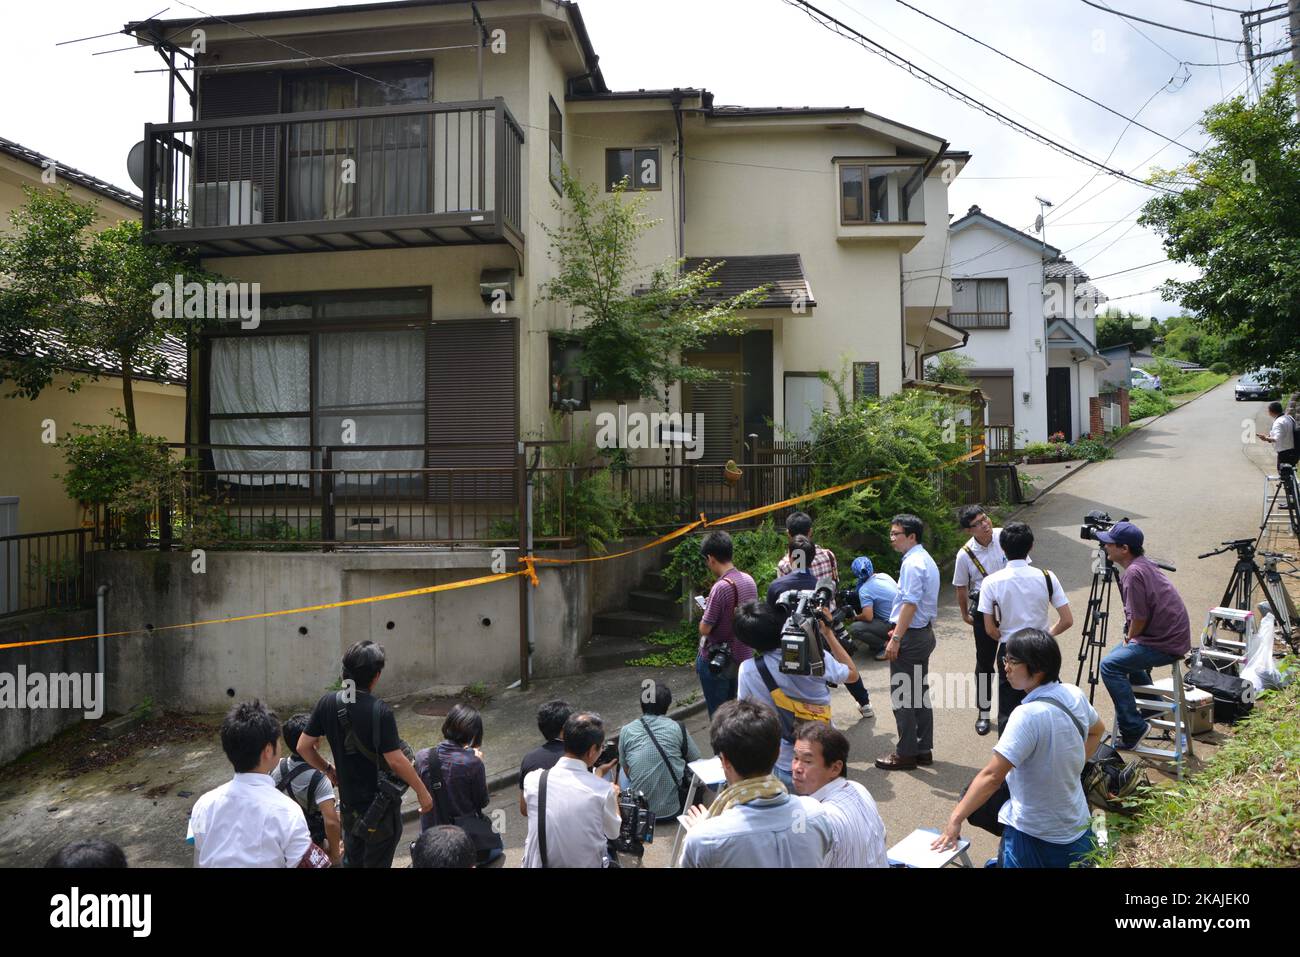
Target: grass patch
<point>679,643</point>
<point>1191,382</point>
<point>1241,810</point>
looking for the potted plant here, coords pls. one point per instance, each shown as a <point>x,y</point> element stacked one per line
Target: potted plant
<point>60,579</point>
<point>731,472</point>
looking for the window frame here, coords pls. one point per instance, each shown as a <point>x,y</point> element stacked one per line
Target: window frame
<point>558,344</point>
<point>858,394</point>
<point>1006,283</point>
<point>865,163</point>
<point>555,120</point>
<point>633,186</point>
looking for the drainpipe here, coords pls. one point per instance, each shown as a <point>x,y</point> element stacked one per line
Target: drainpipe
<point>100,629</point>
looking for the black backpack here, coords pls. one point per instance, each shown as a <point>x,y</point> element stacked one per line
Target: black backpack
<point>290,769</point>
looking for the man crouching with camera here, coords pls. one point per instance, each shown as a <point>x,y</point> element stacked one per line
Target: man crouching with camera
<point>796,659</point>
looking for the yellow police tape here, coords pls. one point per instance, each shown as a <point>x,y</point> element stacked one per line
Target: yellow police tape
<point>529,562</point>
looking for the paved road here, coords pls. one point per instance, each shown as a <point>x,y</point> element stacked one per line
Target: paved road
<point>1187,479</point>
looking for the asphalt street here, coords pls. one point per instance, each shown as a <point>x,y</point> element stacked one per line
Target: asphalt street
<point>1190,480</point>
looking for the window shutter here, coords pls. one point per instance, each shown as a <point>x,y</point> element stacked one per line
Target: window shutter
<point>244,153</point>
<point>471,406</point>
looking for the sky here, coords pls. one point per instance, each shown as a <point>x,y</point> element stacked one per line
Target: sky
<point>86,111</point>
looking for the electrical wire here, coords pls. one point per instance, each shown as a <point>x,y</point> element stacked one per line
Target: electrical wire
<point>1163,26</point>
<point>1132,119</point>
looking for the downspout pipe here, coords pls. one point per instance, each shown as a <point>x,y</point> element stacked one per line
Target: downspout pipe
<point>101,594</point>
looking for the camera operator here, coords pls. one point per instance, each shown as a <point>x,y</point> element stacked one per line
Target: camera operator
<point>1156,628</point>
<point>1281,435</point>
<point>801,556</point>
<point>720,655</point>
<point>911,642</point>
<point>756,821</point>
<point>795,698</point>
<point>877,593</point>
<point>821,771</point>
<point>363,740</point>
<point>580,808</point>
<point>653,754</point>
<point>1016,598</point>
<point>976,560</point>
<point>823,563</point>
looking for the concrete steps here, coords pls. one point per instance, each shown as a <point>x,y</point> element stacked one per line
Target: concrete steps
<point>617,635</point>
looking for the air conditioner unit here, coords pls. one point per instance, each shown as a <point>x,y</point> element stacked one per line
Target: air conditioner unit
<point>228,203</point>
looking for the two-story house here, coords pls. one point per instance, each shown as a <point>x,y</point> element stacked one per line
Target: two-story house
<point>383,173</point>
<point>1031,315</point>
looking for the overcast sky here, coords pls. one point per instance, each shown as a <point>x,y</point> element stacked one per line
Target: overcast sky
<point>86,111</point>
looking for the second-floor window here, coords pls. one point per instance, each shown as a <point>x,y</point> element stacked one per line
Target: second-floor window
<point>639,166</point>
<point>557,147</point>
<point>980,304</point>
<point>883,192</point>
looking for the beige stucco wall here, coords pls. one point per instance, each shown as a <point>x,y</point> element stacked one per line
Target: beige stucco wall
<point>29,465</point>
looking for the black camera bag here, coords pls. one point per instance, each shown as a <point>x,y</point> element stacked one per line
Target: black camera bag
<point>1233,697</point>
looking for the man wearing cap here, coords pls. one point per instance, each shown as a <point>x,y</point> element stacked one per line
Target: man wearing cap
<point>1156,628</point>
<point>876,594</point>
<point>976,560</point>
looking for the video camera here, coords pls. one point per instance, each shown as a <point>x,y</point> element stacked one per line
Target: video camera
<point>1094,522</point>
<point>637,827</point>
<point>801,641</point>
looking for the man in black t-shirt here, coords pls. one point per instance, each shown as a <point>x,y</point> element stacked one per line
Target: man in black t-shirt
<point>550,721</point>
<point>357,776</point>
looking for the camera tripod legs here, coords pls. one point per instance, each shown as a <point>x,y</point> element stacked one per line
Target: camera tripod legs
<point>1095,619</point>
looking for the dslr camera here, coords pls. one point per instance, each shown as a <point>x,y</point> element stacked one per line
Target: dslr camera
<point>637,827</point>
<point>801,641</point>
<point>390,790</point>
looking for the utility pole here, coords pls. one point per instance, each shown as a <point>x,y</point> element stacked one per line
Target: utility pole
<point>1294,37</point>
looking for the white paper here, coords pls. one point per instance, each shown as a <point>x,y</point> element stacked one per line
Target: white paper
<point>914,850</point>
<point>708,770</point>
<point>700,600</point>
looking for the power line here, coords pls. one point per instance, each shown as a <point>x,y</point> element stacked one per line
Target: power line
<point>1215,6</point>
<point>1037,72</point>
<point>894,59</point>
<point>1130,269</point>
<point>1163,26</point>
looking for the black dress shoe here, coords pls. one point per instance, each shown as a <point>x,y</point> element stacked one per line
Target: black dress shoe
<point>925,758</point>
<point>983,726</point>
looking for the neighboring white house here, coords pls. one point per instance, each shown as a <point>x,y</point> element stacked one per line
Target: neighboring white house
<point>1031,318</point>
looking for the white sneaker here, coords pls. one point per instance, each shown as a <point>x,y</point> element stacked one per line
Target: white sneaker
<point>866,711</point>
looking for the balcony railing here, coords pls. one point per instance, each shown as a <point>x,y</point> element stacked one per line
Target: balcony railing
<point>45,571</point>
<point>422,174</point>
<point>980,320</point>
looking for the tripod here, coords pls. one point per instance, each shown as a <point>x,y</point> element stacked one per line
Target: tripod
<point>1286,483</point>
<point>1095,619</point>
<point>1246,574</point>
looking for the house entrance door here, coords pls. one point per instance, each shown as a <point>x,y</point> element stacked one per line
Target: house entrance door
<point>1059,418</point>
<point>721,402</point>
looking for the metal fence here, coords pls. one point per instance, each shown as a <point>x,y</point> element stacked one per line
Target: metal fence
<point>45,571</point>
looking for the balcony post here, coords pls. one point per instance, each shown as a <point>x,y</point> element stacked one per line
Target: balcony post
<point>499,178</point>
<point>327,499</point>
<point>150,191</point>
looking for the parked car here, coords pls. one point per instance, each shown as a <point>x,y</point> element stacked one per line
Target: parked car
<point>1141,379</point>
<point>1251,386</point>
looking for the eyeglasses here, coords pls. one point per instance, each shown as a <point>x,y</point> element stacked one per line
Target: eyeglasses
<point>894,534</point>
<point>1010,662</point>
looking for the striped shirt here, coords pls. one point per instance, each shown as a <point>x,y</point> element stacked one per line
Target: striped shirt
<point>855,821</point>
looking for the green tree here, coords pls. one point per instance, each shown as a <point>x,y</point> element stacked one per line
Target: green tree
<point>1114,328</point>
<point>632,337</point>
<point>1236,217</point>
<point>82,292</point>
<point>950,369</point>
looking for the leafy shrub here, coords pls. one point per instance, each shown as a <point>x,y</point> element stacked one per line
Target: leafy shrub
<point>755,552</point>
<point>1094,450</point>
<point>1220,368</point>
<point>680,644</point>
<point>1146,402</point>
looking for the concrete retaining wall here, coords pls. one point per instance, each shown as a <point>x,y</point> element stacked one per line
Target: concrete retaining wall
<point>22,729</point>
<point>448,638</point>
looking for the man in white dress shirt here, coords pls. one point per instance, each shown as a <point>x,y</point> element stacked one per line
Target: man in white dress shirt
<point>1018,598</point>
<point>246,822</point>
<point>821,771</point>
<point>581,814</point>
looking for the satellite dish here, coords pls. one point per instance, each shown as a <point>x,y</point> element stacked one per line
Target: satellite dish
<point>135,163</point>
<point>1038,220</point>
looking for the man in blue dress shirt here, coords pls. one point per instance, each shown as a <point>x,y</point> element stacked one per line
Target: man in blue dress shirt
<point>911,642</point>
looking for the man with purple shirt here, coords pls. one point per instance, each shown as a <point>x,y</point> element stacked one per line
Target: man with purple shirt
<point>732,589</point>
<point>1156,629</point>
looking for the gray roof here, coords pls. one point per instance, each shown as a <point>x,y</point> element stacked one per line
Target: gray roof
<point>975,214</point>
<point>92,183</point>
<point>172,351</point>
<point>1143,359</point>
<point>1060,268</point>
<point>782,273</point>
